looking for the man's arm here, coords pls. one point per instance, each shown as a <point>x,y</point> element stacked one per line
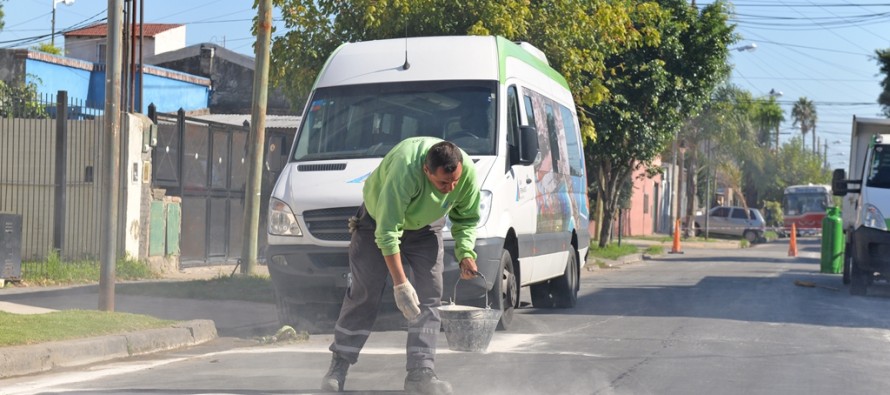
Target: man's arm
<point>394,264</point>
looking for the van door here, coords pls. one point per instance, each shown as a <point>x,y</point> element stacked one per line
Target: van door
<point>523,207</point>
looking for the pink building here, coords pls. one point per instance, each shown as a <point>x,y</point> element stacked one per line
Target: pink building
<point>649,211</point>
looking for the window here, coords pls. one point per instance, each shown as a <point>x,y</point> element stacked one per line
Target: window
<point>720,212</point>
<point>529,111</point>
<point>576,152</point>
<point>366,121</point>
<point>739,214</point>
<point>879,175</point>
<point>100,53</point>
<point>513,123</point>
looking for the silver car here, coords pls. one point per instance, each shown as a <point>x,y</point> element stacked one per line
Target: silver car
<point>733,221</point>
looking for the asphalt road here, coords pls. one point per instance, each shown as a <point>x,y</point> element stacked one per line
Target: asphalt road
<point>709,321</point>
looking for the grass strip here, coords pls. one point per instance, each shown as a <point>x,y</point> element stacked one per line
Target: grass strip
<point>22,329</point>
<point>612,251</point>
<point>245,288</point>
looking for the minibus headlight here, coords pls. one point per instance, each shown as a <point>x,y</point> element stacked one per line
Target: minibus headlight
<point>282,221</point>
<point>484,210</point>
<point>484,207</point>
<point>872,217</point>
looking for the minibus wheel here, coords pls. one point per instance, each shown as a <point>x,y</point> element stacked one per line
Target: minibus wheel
<point>565,288</point>
<point>504,294</point>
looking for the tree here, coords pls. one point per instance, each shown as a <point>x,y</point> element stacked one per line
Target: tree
<point>575,35</point>
<point>21,101</point>
<point>883,58</point>
<point>796,165</point>
<point>1,15</point>
<point>804,115</point>
<point>653,90</point>
<point>769,116</point>
<point>726,124</point>
<point>46,47</point>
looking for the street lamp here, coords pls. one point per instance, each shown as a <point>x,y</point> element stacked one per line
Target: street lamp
<point>52,39</point>
<point>751,47</point>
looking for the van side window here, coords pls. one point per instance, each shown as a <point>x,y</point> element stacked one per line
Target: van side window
<point>513,123</point>
<point>576,151</point>
<point>529,111</point>
<point>553,136</point>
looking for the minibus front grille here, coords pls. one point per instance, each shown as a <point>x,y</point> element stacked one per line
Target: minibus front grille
<point>322,167</point>
<point>329,224</point>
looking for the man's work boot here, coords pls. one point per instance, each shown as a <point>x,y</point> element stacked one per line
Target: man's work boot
<point>335,379</point>
<point>424,381</point>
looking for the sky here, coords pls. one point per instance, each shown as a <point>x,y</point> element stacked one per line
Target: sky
<point>819,49</point>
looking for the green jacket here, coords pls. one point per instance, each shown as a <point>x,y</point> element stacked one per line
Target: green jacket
<point>399,196</point>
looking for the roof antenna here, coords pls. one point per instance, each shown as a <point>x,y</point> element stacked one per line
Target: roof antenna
<point>407,65</point>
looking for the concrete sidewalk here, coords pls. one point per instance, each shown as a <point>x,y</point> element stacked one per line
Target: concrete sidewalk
<point>199,321</point>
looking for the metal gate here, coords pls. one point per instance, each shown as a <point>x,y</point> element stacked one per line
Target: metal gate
<point>205,163</point>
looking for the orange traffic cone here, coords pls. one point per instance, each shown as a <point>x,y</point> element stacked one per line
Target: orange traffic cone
<point>792,248</point>
<point>676,247</point>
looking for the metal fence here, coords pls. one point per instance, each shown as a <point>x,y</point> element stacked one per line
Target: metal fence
<point>50,167</point>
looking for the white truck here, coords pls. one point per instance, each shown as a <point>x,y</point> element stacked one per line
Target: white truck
<point>499,101</point>
<point>866,204</point>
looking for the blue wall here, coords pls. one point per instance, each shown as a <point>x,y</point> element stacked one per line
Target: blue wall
<point>51,78</point>
<point>168,94</point>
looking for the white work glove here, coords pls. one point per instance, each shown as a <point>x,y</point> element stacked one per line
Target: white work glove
<point>406,300</point>
<point>352,224</point>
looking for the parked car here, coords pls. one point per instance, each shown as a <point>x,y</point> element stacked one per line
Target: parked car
<point>733,221</point>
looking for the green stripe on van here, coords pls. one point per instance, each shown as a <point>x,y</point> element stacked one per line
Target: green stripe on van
<point>507,48</point>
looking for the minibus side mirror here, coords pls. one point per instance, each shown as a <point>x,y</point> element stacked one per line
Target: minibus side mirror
<point>840,183</point>
<point>528,145</point>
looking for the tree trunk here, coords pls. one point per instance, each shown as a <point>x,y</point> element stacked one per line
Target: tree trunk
<point>610,199</point>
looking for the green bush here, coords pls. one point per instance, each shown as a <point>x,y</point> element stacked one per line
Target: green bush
<point>772,213</point>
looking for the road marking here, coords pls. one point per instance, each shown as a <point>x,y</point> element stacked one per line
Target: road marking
<point>501,343</point>
<point>55,381</point>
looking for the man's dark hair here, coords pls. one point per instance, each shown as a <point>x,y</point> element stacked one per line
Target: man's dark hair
<point>445,155</point>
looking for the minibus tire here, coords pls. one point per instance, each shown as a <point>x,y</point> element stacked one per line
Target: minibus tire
<point>564,289</point>
<point>504,292</point>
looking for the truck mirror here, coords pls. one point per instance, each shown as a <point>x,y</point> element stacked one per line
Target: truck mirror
<point>528,145</point>
<point>838,182</point>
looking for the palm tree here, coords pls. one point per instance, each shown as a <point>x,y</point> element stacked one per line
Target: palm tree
<point>804,114</point>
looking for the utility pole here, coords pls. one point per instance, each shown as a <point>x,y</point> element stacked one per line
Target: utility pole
<point>111,176</point>
<point>257,141</point>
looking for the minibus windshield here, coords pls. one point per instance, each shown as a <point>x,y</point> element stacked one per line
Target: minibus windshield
<point>879,173</point>
<point>366,121</point>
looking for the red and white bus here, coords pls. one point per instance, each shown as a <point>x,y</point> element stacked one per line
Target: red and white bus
<point>805,206</point>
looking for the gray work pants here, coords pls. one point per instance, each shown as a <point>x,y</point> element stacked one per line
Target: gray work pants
<point>421,250</point>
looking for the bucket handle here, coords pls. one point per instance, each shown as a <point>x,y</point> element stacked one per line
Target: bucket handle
<point>454,295</point>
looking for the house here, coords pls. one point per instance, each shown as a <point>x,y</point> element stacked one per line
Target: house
<point>231,75</point>
<point>89,43</point>
<point>84,81</point>
<point>647,203</point>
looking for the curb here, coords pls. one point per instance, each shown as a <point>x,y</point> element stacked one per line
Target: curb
<point>592,265</point>
<point>37,358</point>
